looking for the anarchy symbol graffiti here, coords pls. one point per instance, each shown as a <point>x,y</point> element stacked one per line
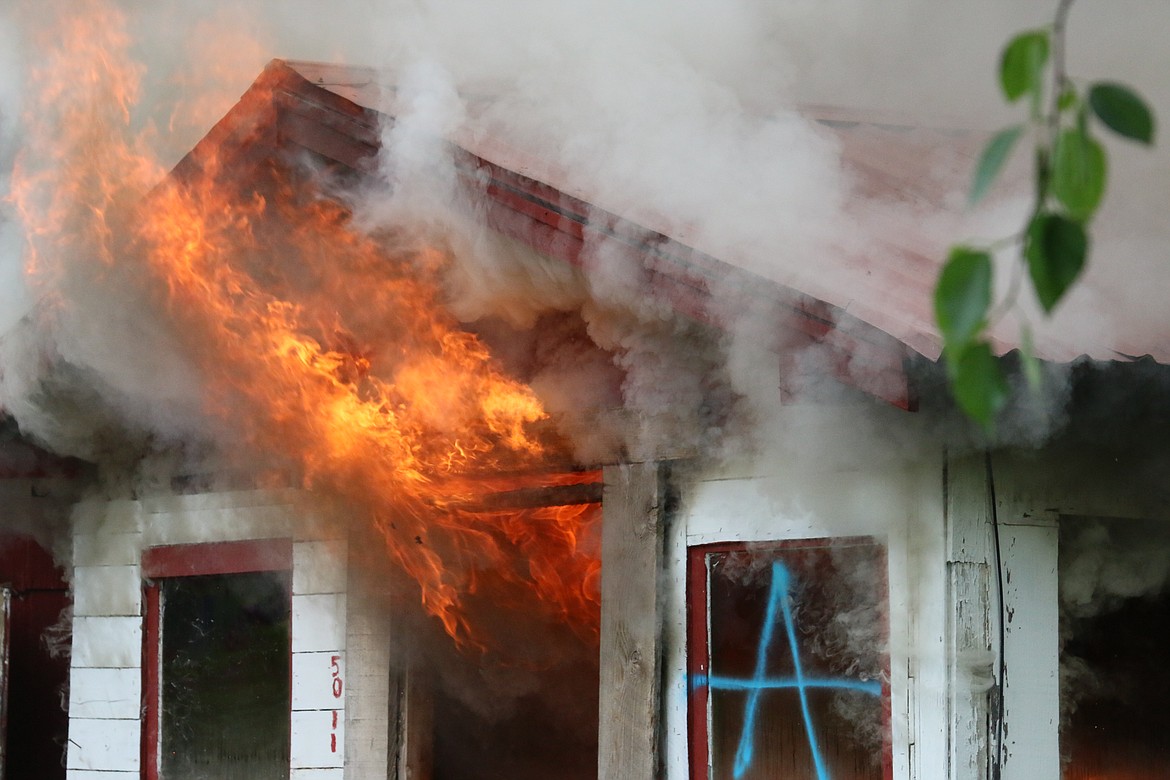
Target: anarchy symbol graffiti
<point>779,602</point>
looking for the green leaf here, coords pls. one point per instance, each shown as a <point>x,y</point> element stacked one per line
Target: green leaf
<point>1123,111</point>
<point>1055,248</point>
<point>962,297</point>
<point>1068,99</point>
<point>994,155</point>
<point>1078,173</point>
<point>1022,64</point>
<point>978,384</point>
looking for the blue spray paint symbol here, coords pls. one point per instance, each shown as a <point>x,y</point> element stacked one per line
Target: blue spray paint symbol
<point>778,599</point>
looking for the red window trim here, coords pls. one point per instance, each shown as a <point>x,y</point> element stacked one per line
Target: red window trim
<point>151,661</point>
<point>698,649</point>
<point>190,560</point>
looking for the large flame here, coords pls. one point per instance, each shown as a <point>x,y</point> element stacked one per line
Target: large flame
<point>322,345</point>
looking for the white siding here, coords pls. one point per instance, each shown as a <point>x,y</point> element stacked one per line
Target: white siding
<point>105,693</point>
<point>336,773</point>
<point>107,517</point>
<point>319,567</point>
<point>113,549</point>
<point>224,524</point>
<point>107,642</point>
<point>105,683</point>
<point>318,662</point>
<point>318,681</point>
<point>108,745</point>
<point>318,623</point>
<point>318,739</point>
<point>107,591</point>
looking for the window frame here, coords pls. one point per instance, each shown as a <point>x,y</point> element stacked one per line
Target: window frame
<point>698,640</point>
<point>192,560</point>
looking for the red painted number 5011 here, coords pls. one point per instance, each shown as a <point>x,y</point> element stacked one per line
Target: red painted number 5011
<point>338,687</point>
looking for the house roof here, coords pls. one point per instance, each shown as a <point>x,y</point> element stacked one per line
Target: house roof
<point>867,316</point>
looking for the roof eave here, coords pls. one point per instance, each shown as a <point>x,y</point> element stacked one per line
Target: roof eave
<point>284,111</point>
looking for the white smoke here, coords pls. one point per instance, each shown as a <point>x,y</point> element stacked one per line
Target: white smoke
<point>1103,564</point>
<point>13,297</point>
<point>678,116</point>
<point>681,116</point>
<point>683,121</point>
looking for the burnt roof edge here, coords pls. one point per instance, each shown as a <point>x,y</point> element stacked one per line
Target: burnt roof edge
<point>283,108</point>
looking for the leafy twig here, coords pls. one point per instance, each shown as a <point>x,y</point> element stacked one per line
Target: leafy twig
<point>1069,179</point>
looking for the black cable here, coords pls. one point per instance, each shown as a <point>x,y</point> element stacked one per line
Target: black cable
<point>1001,671</point>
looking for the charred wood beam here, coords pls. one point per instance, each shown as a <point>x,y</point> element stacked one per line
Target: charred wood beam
<point>532,498</point>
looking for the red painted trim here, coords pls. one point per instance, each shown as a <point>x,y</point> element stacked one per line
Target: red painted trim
<point>151,648</point>
<point>27,566</point>
<point>562,227</point>
<point>699,651</point>
<point>5,670</point>
<point>698,657</point>
<point>190,560</point>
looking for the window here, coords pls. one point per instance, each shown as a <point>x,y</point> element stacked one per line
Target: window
<point>217,671</point>
<point>787,660</point>
<point>1114,634</point>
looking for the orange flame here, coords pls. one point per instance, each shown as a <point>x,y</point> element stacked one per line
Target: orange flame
<point>318,343</point>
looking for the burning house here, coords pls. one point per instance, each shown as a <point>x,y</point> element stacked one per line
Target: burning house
<point>544,481</point>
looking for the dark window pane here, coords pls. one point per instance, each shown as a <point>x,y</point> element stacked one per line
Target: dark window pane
<point>225,677</point>
<point>797,659</point>
<point>1115,636</point>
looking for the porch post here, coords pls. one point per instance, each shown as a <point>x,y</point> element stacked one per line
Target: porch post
<point>631,622</point>
<point>972,620</point>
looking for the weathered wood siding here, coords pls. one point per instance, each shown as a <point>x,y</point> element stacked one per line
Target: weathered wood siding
<point>971,628</point>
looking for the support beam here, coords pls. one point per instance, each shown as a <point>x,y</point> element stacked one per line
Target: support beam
<point>972,624</point>
<point>631,622</point>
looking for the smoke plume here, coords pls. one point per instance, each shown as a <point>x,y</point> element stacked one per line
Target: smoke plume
<point>680,117</point>
<point>691,119</point>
